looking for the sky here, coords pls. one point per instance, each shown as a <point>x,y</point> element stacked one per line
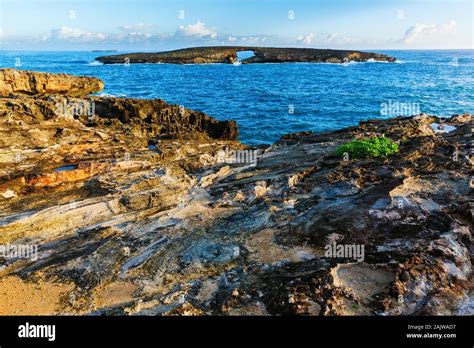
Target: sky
<point>157,25</point>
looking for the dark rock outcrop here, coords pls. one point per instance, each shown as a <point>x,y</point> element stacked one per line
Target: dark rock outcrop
<point>158,118</point>
<point>228,54</point>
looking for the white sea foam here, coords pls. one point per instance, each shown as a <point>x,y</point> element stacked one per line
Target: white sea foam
<point>352,62</point>
<point>108,95</point>
<point>95,63</point>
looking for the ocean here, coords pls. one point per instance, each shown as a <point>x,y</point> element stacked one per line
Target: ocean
<point>270,100</point>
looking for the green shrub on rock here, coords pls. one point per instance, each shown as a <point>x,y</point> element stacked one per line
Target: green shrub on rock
<point>374,147</point>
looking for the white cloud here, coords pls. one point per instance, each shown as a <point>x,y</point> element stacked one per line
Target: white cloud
<point>136,33</point>
<point>245,40</point>
<point>307,40</point>
<point>133,33</point>
<point>130,35</point>
<point>331,37</point>
<point>198,29</point>
<point>140,27</point>
<point>335,39</point>
<point>252,39</point>
<point>75,35</point>
<point>419,31</point>
<point>137,36</point>
<point>449,27</point>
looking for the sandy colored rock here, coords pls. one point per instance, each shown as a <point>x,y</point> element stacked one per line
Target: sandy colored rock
<point>19,297</point>
<point>14,82</point>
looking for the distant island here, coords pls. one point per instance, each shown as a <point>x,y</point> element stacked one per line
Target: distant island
<point>104,51</point>
<point>229,55</point>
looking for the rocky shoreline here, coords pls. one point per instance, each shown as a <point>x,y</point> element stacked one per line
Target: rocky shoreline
<point>228,55</point>
<point>138,207</point>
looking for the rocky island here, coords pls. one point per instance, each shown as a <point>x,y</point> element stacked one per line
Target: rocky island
<point>138,207</point>
<point>228,54</point>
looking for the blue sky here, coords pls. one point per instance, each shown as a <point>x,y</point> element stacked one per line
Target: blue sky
<point>154,25</point>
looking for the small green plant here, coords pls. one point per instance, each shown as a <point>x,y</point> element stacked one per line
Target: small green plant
<point>368,148</point>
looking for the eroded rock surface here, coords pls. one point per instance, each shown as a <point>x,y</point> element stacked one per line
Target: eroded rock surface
<point>14,82</point>
<point>135,213</point>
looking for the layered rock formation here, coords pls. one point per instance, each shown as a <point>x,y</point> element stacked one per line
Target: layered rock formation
<point>138,209</point>
<point>14,82</point>
<point>228,54</point>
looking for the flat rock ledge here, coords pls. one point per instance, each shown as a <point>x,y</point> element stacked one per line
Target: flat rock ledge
<point>134,213</point>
